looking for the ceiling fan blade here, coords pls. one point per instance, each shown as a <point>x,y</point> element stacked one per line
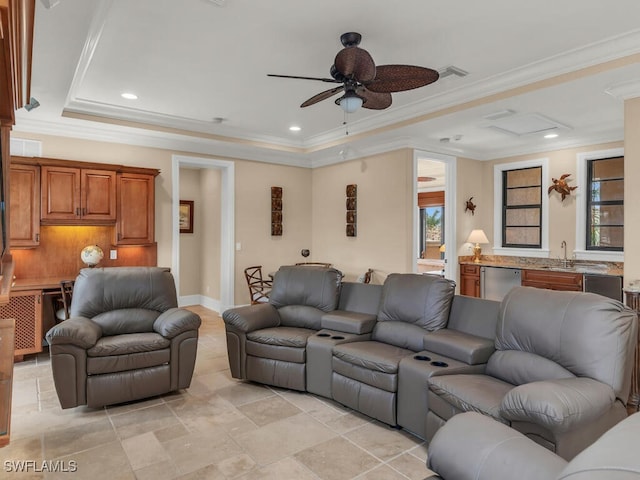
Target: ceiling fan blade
<point>374,100</point>
<point>329,80</point>
<point>322,96</point>
<point>398,78</point>
<point>355,62</point>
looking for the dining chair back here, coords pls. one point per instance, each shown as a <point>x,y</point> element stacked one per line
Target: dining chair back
<point>259,288</point>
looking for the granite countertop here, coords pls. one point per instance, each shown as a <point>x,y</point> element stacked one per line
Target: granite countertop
<point>531,263</point>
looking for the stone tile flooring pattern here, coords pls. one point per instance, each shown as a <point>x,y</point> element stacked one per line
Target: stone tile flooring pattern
<point>219,428</point>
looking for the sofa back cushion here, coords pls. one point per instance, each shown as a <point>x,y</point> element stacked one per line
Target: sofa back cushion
<point>587,334</point>
<point>123,299</point>
<point>412,305</point>
<point>317,288</point>
<point>517,368</point>
<point>475,316</point>
<point>360,297</point>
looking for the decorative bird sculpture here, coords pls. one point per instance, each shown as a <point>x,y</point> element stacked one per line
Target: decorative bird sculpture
<point>470,206</point>
<point>561,186</point>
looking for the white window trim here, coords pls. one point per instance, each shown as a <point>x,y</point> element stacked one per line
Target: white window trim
<point>498,249</point>
<point>581,208</point>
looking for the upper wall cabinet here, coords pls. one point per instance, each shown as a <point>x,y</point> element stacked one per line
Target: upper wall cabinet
<point>24,206</point>
<point>83,193</point>
<point>136,209</point>
<point>85,196</point>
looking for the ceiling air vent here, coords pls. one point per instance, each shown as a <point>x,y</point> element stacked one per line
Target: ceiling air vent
<point>451,70</point>
<point>525,124</point>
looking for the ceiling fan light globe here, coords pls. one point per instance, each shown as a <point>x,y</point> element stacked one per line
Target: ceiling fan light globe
<point>350,103</point>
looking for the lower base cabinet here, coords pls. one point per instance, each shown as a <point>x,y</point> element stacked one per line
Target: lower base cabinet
<point>553,280</point>
<point>25,307</point>
<point>470,280</point>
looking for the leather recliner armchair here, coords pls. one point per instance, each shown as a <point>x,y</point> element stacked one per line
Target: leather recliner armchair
<point>561,372</point>
<point>266,343</point>
<point>126,338</point>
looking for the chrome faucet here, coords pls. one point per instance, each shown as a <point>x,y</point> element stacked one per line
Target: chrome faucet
<point>564,261</point>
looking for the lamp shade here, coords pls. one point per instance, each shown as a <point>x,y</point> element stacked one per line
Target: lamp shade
<point>443,249</point>
<point>477,236</point>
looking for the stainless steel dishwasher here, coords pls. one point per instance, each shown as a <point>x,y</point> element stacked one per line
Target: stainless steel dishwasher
<point>495,282</point>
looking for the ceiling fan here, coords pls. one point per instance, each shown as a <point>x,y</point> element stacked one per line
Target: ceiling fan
<point>364,84</point>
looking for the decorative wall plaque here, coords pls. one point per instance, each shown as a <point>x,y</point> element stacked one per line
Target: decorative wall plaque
<point>276,211</point>
<point>352,214</point>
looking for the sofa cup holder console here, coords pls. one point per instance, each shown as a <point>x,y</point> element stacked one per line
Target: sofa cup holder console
<point>440,364</point>
<point>422,358</point>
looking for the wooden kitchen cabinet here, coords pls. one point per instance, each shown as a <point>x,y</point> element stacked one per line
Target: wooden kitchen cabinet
<point>72,195</point>
<point>470,280</point>
<point>136,209</point>
<point>553,280</point>
<point>24,206</point>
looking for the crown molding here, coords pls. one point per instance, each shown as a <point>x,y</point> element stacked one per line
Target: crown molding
<point>155,139</point>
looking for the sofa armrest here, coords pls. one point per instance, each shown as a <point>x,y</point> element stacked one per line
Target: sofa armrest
<point>252,317</point>
<point>460,346</point>
<point>349,322</point>
<point>472,446</point>
<point>559,405</point>
<point>175,321</point>
<point>79,331</point>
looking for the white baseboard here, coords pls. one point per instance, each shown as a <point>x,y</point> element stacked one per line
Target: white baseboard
<point>207,302</point>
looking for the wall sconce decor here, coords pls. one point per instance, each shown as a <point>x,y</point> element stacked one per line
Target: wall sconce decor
<point>352,214</point>
<point>561,186</point>
<point>276,211</point>
<point>470,206</point>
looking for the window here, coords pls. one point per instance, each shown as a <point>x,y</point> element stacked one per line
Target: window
<point>522,208</point>
<point>432,213</point>
<point>605,204</point>
<point>592,193</point>
<point>521,213</point>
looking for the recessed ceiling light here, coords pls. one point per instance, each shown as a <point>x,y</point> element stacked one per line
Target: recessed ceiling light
<point>129,96</point>
<point>551,135</point>
<point>294,128</point>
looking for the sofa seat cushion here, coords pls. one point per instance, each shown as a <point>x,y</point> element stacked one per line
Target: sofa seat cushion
<point>371,355</point>
<point>282,336</point>
<point>123,363</point>
<point>128,343</point>
<point>472,393</point>
<point>287,344</point>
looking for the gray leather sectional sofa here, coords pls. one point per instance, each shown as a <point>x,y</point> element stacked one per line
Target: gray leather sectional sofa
<point>411,353</point>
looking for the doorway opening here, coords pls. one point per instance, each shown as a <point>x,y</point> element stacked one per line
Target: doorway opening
<point>227,224</point>
<point>434,218</point>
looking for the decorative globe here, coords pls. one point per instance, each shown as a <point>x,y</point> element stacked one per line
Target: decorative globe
<point>91,255</point>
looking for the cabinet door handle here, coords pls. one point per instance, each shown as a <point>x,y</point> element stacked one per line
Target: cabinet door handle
<point>37,237</point>
<point>77,212</point>
<point>84,212</point>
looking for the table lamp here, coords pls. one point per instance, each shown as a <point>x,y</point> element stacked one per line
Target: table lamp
<point>477,237</point>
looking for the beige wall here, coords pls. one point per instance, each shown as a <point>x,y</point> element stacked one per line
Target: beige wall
<point>631,190</point>
<point>253,218</point>
<point>562,214</point>
<point>208,215</point>
<point>385,215</point>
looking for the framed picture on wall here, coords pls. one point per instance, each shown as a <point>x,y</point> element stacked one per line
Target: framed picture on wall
<point>186,216</point>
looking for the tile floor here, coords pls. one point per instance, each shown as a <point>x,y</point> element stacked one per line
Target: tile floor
<point>219,428</point>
